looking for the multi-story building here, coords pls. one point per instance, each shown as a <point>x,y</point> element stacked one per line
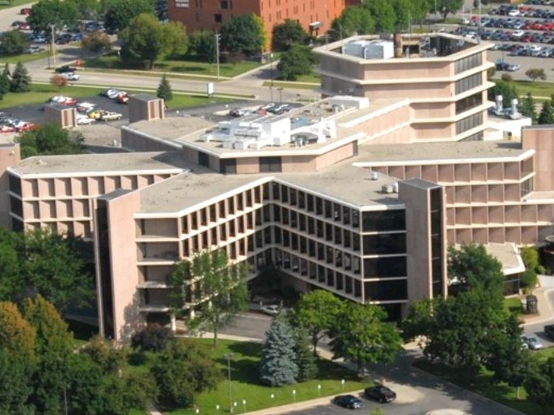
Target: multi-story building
<point>314,16</point>
<point>444,76</point>
<point>319,192</point>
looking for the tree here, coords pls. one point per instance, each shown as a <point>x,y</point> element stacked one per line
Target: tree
<point>11,283</point>
<point>446,7</point>
<point>50,139</point>
<point>506,90</point>
<point>316,312</point>
<point>546,116</point>
<point>539,381</point>
<point>109,358</point>
<point>152,338</point>
<point>221,289</point>
<point>277,364</point>
<point>4,84</point>
<point>527,107</point>
<point>203,44</point>
<point>420,10</point>
<point>18,336</point>
<point>45,13</point>
<point>13,42</point>
<point>146,39</point>
<point>164,89</point>
<point>535,73</point>
<point>58,81</point>
<point>128,391</point>
<point>506,77</point>
<point>305,360</point>
<point>403,12</point>
<point>85,390</point>
<point>119,13</point>
<point>530,257</point>
<point>363,337</point>
<point>21,81</point>
<point>96,42</point>
<point>288,33</point>
<point>355,19</point>
<point>471,267</point>
<point>383,14</point>
<point>244,33</point>
<point>15,383</point>
<point>53,348</point>
<point>88,9</point>
<point>183,370</point>
<point>298,60</point>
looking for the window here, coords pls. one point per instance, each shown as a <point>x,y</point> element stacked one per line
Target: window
<point>218,18</point>
<point>224,4</point>
<point>228,166</point>
<point>394,243</point>
<point>270,164</point>
<point>468,123</point>
<point>469,62</point>
<point>527,187</point>
<point>385,267</point>
<point>182,3</point>
<point>469,102</point>
<point>470,82</point>
<point>388,220</point>
<point>203,159</point>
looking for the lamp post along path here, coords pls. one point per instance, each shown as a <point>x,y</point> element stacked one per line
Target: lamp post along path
<point>228,356</point>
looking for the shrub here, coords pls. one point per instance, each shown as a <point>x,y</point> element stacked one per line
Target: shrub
<point>152,338</point>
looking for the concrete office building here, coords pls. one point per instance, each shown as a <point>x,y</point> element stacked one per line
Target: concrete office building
<point>319,192</point>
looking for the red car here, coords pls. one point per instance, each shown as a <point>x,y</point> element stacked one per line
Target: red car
<point>6,129</point>
<point>26,127</point>
<point>24,26</point>
<point>26,11</point>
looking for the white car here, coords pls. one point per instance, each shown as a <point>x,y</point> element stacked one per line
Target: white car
<point>514,12</point>
<point>111,116</point>
<point>271,310</point>
<point>70,76</point>
<point>84,120</point>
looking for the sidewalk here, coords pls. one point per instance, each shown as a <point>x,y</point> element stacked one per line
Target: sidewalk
<point>545,311</point>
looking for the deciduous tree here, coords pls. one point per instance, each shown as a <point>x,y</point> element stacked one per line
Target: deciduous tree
<point>539,381</point>
<point>505,89</point>
<point>362,336</point>
<point>535,73</point>
<point>152,338</point>
<point>446,7</point>
<point>96,42</point>
<point>203,44</point>
<point>50,139</point>
<point>298,60</point>
<point>244,33</point>
<point>119,13</point>
<point>58,81</point>
<point>317,313</point>
<point>13,42</point>
<point>146,39</point>
<point>355,19</point>
<point>278,362</point>
<point>288,33</point>
<point>221,290</point>
<point>109,357</point>
<point>527,107</point>
<point>383,15</point>
<point>182,371</point>
<point>52,12</point>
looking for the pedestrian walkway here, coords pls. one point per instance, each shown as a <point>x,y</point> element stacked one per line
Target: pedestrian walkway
<point>545,309</point>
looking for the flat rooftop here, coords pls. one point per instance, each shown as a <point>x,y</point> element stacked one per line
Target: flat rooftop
<point>508,255</point>
<point>90,164</point>
<point>189,131</point>
<point>440,152</point>
<point>201,185</point>
<point>7,138</point>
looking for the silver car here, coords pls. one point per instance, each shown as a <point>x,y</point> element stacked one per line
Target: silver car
<point>532,342</point>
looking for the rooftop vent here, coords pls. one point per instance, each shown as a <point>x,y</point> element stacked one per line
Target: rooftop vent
<point>374,176</point>
<point>387,188</point>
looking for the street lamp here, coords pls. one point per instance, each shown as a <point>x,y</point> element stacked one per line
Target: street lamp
<point>217,38</point>
<point>52,28</point>
<point>228,356</point>
<point>244,405</point>
<point>270,55</point>
<point>280,95</point>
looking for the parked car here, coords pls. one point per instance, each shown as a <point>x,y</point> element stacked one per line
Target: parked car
<point>63,39</point>
<point>532,342</point>
<point>380,393</point>
<point>65,68</point>
<point>549,331</point>
<point>348,401</point>
<point>24,26</point>
<point>6,129</point>
<point>60,99</point>
<point>85,107</point>
<point>112,93</point>
<point>271,310</point>
<point>122,98</point>
<point>513,67</point>
<point>70,76</point>
<point>110,116</point>
<point>35,49</point>
<point>85,120</point>
<point>26,11</point>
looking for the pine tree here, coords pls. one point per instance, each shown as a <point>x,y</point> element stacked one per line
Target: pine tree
<point>527,107</point>
<point>21,81</point>
<point>547,113</point>
<point>277,366</point>
<point>4,85</point>
<point>305,359</point>
<point>164,89</point>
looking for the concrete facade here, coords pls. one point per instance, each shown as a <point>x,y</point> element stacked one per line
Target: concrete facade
<point>342,195</point>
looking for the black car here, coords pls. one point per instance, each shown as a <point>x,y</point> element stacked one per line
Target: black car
<point>347,401</point>
<point>549,331</point>
<point>65,69</point>
<point>380,393</point>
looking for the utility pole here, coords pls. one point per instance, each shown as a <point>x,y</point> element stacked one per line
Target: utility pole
<point>53,44</point>
<point>217,38</point>
<point>271,75</point>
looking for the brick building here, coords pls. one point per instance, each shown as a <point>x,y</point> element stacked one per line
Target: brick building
<point>314,16</point>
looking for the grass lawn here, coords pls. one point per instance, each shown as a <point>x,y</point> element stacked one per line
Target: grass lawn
<point>26,57</point>
<point>513,305</point>
<point>111,61</point>
<point>14,3</point>
<point>40,93</point>
<point>291,85</point>
<point>246,386</point>
<point>537,89</point>
<point>482,385</point>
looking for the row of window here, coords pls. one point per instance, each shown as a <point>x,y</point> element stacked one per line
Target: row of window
<point>468,103</point>
<point>469,123</point>
<point>467,63</point>
<point>470,82</point>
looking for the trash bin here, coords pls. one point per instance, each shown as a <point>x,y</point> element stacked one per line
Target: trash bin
<point>532,306</point>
